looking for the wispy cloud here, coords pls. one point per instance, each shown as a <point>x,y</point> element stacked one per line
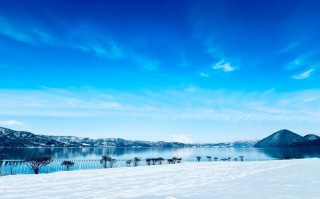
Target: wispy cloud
<point>9,31</point>
<point>103,49</point>
<point>291,46</point>
<point>146,63</point>
<point>303,75</point>
<point>170,105</point>
<point>226,67</point>
<point>44,37</point>
<point>204,75</point>
<point>10,123</point>
<point>36,36</point>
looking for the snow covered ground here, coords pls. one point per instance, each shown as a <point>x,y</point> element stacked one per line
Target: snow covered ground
<point>264,179</point>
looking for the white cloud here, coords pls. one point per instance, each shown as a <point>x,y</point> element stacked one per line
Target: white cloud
<point>11,123</point>
<point>182,138</point>
<point>303,75</point>
<point>226,67</point>
<point>108,50</point>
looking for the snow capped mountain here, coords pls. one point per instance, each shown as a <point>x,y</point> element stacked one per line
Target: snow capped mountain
<point>11,138</point>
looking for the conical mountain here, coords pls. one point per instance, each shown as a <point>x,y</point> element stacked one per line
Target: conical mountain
<point>282,138</point>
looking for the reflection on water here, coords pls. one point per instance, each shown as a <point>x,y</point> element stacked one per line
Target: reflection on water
<point>292,153</point>
<point>186,153</point>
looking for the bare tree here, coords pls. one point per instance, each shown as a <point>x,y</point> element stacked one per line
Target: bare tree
<point>105,159</point>
<point>67,164</point>
<point>174,159</point>
<point>154,161</point>
<point>36,163</point>
<point>136,161</point>
<point>209,158</point>
<point>241,158</point>
<point>128,162</point>
<point>111,162</point>
<point>148,161</point>
<point>160,160</point>
<point>198,158</point>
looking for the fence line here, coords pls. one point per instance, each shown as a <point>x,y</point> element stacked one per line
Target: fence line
<point>12,167</point>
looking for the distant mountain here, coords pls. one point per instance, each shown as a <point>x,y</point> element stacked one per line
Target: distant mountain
<point>286,138</point>
<point>11,138</point>
<point>282,138</point>
<point>311,141</point>
<point>311,137</point>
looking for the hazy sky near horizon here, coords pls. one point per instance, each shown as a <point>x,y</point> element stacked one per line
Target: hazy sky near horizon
<point>183,70</point>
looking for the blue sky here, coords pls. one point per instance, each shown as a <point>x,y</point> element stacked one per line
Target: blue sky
<point>193,71</point>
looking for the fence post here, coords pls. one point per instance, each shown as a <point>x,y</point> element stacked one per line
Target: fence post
<point>2,167</point>
<point>80,162</point>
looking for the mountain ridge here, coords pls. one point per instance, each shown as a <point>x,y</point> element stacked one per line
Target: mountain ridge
<point>11,138</point>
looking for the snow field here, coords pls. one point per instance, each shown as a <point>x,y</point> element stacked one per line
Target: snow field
<point>262,179</point>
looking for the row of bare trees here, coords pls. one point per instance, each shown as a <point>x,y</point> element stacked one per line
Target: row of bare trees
<point>241,158</point>
<point>36,163</point>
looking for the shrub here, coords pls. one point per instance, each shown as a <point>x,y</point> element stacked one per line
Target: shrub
<point>198,158</point>
<point>36,163</point>
<point>241,158</point>
<point>128,162</point>
<point>209,158</point>
<point>67,164</point>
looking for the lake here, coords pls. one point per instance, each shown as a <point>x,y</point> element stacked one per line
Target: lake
<point>188,154</point>
<point>89,158</point>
